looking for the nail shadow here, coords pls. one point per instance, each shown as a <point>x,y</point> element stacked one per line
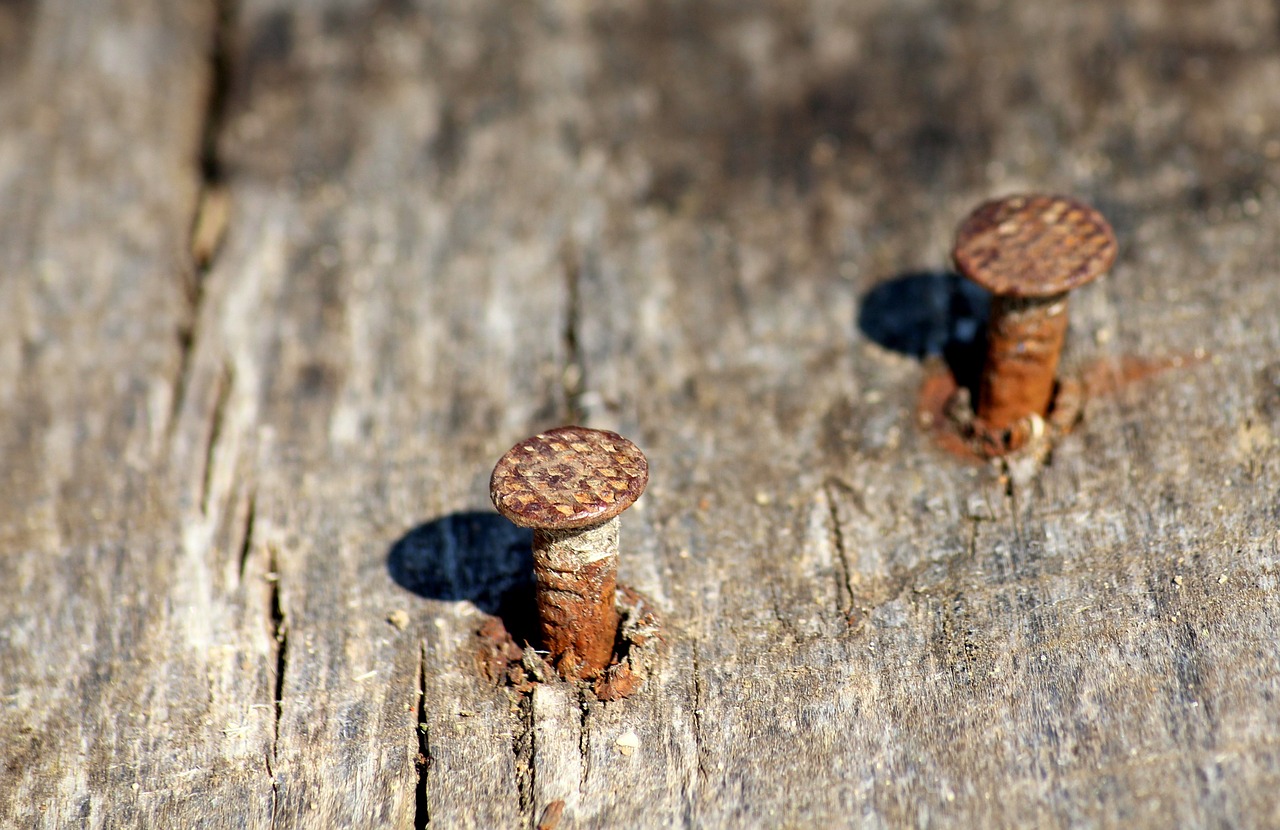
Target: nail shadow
<point>930,314</point>
<point>474,557</point>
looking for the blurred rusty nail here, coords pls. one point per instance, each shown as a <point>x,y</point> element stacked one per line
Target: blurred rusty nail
<point>569,485</point>
<point>1029,251</point>
<point>551,815</point>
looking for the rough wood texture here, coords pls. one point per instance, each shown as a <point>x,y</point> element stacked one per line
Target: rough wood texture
<point>718,228</point>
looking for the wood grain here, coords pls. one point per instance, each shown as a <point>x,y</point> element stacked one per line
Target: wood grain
<point>244,515</point>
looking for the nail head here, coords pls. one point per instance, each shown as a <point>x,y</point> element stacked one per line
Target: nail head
<point>1034,245</point>
<point>567,478</point>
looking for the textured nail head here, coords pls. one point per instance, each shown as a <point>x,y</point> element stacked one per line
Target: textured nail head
<point>569,477</point>
<point>1034,246</point>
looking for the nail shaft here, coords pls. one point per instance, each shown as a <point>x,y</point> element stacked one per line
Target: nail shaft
<point>576,575</point>
<point>1024,343</point>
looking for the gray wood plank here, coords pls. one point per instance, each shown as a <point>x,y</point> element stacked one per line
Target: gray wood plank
<point>368,298</point>
<point>721,229</point>
<point>131,658</point>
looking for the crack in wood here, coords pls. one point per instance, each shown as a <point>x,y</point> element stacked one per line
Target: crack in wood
<point>279,636</point>
<point>584,737</point>
<point>879,589</point>
<point>209,215</point>
<point>1015,505</point>
<point>844,573</point>
<point>422,808</point>
<point>246,545</point>
<point>573,375</point>
<point>186,345</point>
<point>220,74</point>
<point>737,284</point>
<point>699,700</point>
<point>522,746</point>
<point>226,380</point>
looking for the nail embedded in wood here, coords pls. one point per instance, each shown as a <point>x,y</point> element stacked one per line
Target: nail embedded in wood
<point>569,485</point>
<point>1029,251</point>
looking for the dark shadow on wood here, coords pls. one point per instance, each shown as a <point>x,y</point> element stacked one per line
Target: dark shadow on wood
<point>930,314</point>
<point>473,557</point>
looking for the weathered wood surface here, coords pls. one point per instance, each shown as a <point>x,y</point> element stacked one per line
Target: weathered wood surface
<point>451,224</point>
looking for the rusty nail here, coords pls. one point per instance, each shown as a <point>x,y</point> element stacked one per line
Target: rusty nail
<point>569,485</point>
<point>1029,251</point>
<point>551,815</point>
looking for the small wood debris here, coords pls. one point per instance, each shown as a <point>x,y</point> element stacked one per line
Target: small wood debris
<point>628,743</point>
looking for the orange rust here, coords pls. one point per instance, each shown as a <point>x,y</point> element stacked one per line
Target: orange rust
<point>500,656</point>
<point>632,654</point>
<point>1108,376</point>
<point>1024,342</point>
<point>969,438</point>
<point>932,407</point>
<point>943,409</point>
<point>577,614</point>
<point>638,641</point>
